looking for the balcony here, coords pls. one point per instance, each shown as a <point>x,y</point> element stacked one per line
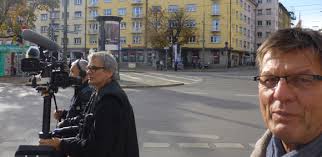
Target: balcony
<point>137,16</point>
<point>215,30</point>
<point>215,13</point>
<point>92,31</point>
<point>93,5</point>
<point>136,30</point>
<point>137,2</point>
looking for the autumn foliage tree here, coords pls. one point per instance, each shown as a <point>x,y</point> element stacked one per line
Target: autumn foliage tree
<point>16,15</point>
<point>164,28</point>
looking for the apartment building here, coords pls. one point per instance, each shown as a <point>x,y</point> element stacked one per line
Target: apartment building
<point>221,25</point>
<point>271,16</point>
<point>75,26</point>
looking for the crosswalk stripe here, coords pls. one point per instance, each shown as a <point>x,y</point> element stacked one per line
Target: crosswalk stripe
<point>215,137</point>
<point>194,145</point>
<point>160,78</point>
<point>131,77</point>
<point>228,145</point>
<point>155,145</point>
<point>194,80</point>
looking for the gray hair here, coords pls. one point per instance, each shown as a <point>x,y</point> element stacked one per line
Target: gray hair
<point>108,60</point>
<point>82,64</point>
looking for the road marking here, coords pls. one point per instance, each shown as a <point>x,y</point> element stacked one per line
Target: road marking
<point>229,145</point>
<point>193,93</point>
<point>190,79</point>
<point>131,77</point>
<point>160,78</point>
<point>246,95</point>
<point>215,137</point>
<point>194,145</point>
<point>155,145</point>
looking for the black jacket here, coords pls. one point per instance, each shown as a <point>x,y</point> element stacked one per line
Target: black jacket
<point>109,129</point>
<point>78,104</point>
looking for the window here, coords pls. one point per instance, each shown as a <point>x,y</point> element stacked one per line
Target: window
<point>137,12</point>
<point>93,26</point>
<point>173,23</point>
<point>241,16</point>
<point>44,29</point>
<point>93,2</point>
<point>156,9</point>
<point>78,14</point>
<point>215,39</point>
<point>78,2</point>
<point>244,31</point>
<point>268,22</point>
<point>93,13</point>
<point>63,2</point>
<point>260,1</point>
<point>93,40</point>
<point>269,1</point>
<point>248,8</point>
<point>136,39</point>
<point>122,11</point>
<point>191,7</point>
<point>215,25</point>
<point>248,20</point>
<point>237,14</point>
<point>172,8</point>
<point>215,9</point>
<point>259,12</point>
<point>77,27</point>
<point>44,17</point>
<point>77,41</point>
<point>107,12</point>
<point>107,1</point>
<point>123,25</point>
<point>123,40</point>
<point>268,33</point>
<point>236,28</point>
<point>268,11</point>
<point>191,23</point>
<point>259,23</point>
<point>259,34</point>
<point>192,39</point>
<point>136,26</point>
<point>54,15</point>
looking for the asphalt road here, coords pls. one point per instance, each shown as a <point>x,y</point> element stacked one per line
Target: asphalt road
<point>212,115</point>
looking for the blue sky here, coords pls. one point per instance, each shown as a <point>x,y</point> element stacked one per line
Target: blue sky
<point>310,11</point>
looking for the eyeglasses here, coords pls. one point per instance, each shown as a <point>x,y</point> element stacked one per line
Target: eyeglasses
<point>93,68</point>
<point>297,81</point>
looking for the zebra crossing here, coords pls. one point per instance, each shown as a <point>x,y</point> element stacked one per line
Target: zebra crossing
<point>161,79</point>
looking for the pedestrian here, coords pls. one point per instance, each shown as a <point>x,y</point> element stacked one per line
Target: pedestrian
<point>109,126</point>
<point>290,94</point>
<point>82,94</point>
<point>161,65</point>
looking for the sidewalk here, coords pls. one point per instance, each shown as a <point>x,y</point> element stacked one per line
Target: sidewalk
<point>125,83</point>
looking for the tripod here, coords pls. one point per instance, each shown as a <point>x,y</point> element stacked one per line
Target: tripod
<point>35,150</point>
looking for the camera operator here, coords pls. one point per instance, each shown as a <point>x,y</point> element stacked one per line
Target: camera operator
<point>80,98</point>
<point>109,126</point>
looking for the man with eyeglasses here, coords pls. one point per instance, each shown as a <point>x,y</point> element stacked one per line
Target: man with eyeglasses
<point>109,127</point>
<point>290,94</point>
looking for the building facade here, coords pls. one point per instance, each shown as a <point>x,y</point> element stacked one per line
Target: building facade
<point>271,16</point>
<point>234,27</point>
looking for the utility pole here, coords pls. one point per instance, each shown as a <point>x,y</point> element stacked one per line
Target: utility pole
<point>203,35</point>
<point>145,31</point>
<point>85,35</point>
<point>65,32</point>
<point>229,48</point>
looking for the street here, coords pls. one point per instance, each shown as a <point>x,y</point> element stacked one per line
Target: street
<point>214,114</point>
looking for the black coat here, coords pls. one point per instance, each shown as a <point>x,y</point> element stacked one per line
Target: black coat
<point>78,104</point>
<point>109,129</point>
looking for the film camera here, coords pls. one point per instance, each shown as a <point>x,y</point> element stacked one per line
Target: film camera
<point>48,74</point>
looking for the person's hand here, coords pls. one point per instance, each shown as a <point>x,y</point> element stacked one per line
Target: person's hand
<point>54,142</point>
<point>58,114</point>
<point>60,124</point>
